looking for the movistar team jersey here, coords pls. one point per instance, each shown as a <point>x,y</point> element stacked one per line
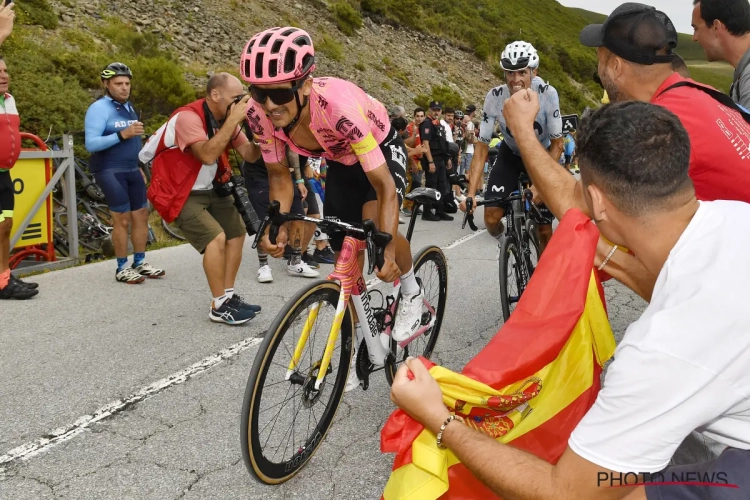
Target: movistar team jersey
<point>548,123</point>
<point>104,119</point>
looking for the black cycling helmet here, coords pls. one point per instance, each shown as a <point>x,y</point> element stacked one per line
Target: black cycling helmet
<point>116,69</point>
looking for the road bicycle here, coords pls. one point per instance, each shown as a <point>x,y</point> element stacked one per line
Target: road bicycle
<point>519,247</point>
<point>296,383</point>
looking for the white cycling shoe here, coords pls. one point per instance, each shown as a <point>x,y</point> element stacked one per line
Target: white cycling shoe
<point>409,316</point>
<point>302,269</point>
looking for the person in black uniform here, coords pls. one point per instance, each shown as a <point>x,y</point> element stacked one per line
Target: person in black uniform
<point>434,161</point>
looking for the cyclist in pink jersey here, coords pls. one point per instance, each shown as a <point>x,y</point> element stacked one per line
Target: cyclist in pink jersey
<point>336,120</point>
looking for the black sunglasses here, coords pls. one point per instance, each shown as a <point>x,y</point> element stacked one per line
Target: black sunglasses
<point>278,96</point>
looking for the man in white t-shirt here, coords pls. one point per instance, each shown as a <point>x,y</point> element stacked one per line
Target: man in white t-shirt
<point>469,139</point>
<point>683,366</point>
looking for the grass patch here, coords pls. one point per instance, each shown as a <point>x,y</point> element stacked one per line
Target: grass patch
<point>331,48</point>
<point>347,17</point>
<point>719,76</point>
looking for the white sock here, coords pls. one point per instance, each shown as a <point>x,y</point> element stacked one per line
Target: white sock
<point>229,292</point>
<point>219,301</point>
<point>409,285</point>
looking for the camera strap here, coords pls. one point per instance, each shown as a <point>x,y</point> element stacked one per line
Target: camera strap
<point>224,170</point>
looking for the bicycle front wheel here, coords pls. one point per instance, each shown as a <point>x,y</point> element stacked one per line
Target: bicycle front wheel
<point>531,239</point>
<point>284,417</point>
<point>172,230</point>
<point>431,271</point>
<point>511,282</point>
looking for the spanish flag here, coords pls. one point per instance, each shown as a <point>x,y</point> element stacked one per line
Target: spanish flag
<point>529,387</point>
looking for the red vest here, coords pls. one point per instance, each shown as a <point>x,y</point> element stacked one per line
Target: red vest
<point>173,172</point>
<point>10,134</point>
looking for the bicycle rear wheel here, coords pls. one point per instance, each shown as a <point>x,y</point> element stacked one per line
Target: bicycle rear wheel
<point>431,270</point>
<point>281,411</point>
<point>172,230</point>
<point>511,282</point>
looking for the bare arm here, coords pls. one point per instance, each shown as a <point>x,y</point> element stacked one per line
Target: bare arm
<point>249,152</point>
<point>208,152</point>
<point>6,21</point>
<point>556,148</point>
<point>476,170</point>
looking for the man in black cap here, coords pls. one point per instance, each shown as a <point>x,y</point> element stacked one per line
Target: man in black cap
<point>634,46</point>
<point>434,160</point>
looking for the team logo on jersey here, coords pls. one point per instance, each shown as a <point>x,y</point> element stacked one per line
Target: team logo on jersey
<point>346,128</point>
<point>498,189</point>
<point>253,118</point>
<point>497,91</point>
<point>398,155</point>
<point>374,119</point>
<point>322,102</point>
<point>556,114</point>
<point>338,148</point>
<point>485,118</point>
<point>327,133</point>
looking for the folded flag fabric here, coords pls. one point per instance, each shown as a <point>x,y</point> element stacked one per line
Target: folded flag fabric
<point>531,384</point>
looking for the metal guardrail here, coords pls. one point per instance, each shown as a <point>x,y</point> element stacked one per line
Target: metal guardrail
<point>67,169</point>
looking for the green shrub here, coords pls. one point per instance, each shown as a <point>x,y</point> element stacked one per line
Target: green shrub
<point>448,97</point>
<point>159,86</point>
<point>33,12</point>
<point>347,17</point>
<point>331,48</point>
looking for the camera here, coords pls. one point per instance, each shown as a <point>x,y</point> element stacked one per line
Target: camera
<point>236,187</point>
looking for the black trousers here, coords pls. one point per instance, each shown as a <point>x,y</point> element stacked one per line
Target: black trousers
<point>436,180</point>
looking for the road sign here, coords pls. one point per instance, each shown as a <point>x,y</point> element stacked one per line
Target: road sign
<point>570,122</point>
<point>30,178</point>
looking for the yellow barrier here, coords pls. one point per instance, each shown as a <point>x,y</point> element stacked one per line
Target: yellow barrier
<point>30,178</point>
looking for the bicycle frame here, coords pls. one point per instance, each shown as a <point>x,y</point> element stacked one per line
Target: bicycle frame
<point>353,291</point>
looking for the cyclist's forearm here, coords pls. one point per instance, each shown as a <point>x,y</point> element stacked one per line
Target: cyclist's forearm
<point>280,184</point>
<point>476,169</point>
<point>559,190</point>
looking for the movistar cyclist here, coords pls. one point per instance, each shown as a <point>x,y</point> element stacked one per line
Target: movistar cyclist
<point>336,120</point>
<point>113,136</point>
<point>520,62</point>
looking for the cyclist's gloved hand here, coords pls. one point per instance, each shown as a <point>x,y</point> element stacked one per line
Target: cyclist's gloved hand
<point>276,251</point>
<point>462,205</point>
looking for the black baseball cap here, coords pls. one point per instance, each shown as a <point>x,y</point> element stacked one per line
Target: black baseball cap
<point>470,109</point>
<point>436,105</point>
<point>635,32</point>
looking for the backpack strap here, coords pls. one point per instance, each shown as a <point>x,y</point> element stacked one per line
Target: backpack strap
<point>718,96</point>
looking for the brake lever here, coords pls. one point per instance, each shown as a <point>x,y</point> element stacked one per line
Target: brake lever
<point>376,242</point>
<point>271,215</point>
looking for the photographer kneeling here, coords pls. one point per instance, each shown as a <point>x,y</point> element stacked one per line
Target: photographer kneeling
<point>191,186</point>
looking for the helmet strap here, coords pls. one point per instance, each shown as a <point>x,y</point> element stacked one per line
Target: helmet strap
<point>300,107</point>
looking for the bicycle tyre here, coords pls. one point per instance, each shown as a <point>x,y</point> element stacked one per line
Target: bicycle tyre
<point>532,240</point>
<point>172,231</point>
<point>508,247</point>
<point>262,469</point>
<point>425,255</point>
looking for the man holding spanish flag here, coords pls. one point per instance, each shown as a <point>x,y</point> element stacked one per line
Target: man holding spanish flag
<point>681,367</point>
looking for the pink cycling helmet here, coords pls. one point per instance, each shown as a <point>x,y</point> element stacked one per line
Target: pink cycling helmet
<point>277,55</point>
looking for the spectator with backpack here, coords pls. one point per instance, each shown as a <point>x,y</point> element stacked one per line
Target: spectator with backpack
<point>189,171</point>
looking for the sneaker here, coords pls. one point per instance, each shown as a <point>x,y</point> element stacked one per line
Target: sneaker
<point>238,301</point>
<point>401,220</point>
<point>16,290</point>
<point>307,259</point>
<point>408,317</point>
<point>428,215</point>
<point>325,256</point>
<point>264,274</point>
<point>149,271</point>
<point>27,284</point>
<point>444,216</point>
<point>130,276</point>
<point>302,269</point>
<point>230,314</point>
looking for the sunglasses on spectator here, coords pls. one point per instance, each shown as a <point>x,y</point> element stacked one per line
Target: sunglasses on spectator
<point>278,96</point>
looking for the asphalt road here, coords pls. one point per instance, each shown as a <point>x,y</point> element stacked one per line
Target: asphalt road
<point>145,392</point>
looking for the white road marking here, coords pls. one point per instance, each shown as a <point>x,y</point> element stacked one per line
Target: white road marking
<point>63,434</point>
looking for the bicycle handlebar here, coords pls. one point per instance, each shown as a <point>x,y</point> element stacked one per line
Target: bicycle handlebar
<point>376,240</point>
<point>470,203</point>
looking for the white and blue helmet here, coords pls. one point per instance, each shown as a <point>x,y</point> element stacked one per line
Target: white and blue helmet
<point>519,55</point>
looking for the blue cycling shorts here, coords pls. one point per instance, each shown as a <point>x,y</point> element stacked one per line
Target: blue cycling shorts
<point>124,189</point>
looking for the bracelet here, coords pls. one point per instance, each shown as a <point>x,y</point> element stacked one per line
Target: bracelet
<point>299,181</point>
<point>609,256</point>
<point>119,136</point>
<point>442,428</point>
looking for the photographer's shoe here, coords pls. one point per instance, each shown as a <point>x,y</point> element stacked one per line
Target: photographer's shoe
<point>302,269</point>
<point>325,256</point>
<point>230,314</point>
<point>264,274</point>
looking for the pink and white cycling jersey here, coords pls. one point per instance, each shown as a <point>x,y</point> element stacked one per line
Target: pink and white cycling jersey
<point>348,123</point>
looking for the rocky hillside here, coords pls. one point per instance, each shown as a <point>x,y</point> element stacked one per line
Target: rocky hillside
<point>392,63</point>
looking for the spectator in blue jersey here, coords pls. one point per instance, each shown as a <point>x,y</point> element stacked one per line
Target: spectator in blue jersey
<point>113,137</point>
<point>569,145</point>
